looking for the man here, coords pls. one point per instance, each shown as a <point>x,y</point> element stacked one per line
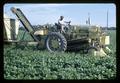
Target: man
<point>62,23</point>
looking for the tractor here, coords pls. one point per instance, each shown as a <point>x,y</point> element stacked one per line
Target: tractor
<point>82,37</point>
<point>86,38</point>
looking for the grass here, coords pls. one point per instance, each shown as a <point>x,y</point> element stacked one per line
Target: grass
<point>26,62</point>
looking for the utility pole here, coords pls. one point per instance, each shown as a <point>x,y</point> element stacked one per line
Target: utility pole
<point>89,19</point>
<point>107,19</point>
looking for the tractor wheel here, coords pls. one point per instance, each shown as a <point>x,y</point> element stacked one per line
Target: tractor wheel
<point>56,42</point>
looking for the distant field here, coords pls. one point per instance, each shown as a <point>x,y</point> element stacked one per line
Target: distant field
<point>26,62</point>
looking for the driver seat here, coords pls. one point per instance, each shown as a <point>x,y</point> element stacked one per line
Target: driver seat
<point>58,26</point>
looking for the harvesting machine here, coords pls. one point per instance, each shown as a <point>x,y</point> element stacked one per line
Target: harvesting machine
<point>84,38</point>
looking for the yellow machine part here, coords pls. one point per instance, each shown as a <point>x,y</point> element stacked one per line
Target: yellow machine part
<point>93,29</point>
<point>100,52</point>
<point>41,32</point>
<point>105,40</point>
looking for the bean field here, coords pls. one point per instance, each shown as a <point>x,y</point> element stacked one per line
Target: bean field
<point>27,62</point>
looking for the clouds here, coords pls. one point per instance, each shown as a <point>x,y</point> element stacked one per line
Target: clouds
<point>40,13</point>
<point>36,7</point>
<point>77,13</point>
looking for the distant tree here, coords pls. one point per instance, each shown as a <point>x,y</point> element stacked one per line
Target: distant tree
<point>21,28</point>
<point>109,28</point>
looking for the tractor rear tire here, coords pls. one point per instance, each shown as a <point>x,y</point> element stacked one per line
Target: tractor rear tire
<point>61,40</point>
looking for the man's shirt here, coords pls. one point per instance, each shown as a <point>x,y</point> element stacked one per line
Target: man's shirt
<point>61,22</point>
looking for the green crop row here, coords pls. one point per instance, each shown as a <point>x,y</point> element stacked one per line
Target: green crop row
<point>27,62</point>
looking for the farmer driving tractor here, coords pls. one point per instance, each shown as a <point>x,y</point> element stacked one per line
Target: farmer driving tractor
<point>62,23</point>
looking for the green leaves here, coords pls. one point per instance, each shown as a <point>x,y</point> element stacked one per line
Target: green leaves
<point>27,63</point>
<point>44,65</point>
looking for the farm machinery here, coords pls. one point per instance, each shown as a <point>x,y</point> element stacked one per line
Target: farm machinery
<point>86,38</point>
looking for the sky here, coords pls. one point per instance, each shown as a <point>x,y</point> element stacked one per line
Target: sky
<point>39,14</point>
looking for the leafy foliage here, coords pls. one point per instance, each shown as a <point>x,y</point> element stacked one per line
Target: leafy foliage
<point>27,62</point>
